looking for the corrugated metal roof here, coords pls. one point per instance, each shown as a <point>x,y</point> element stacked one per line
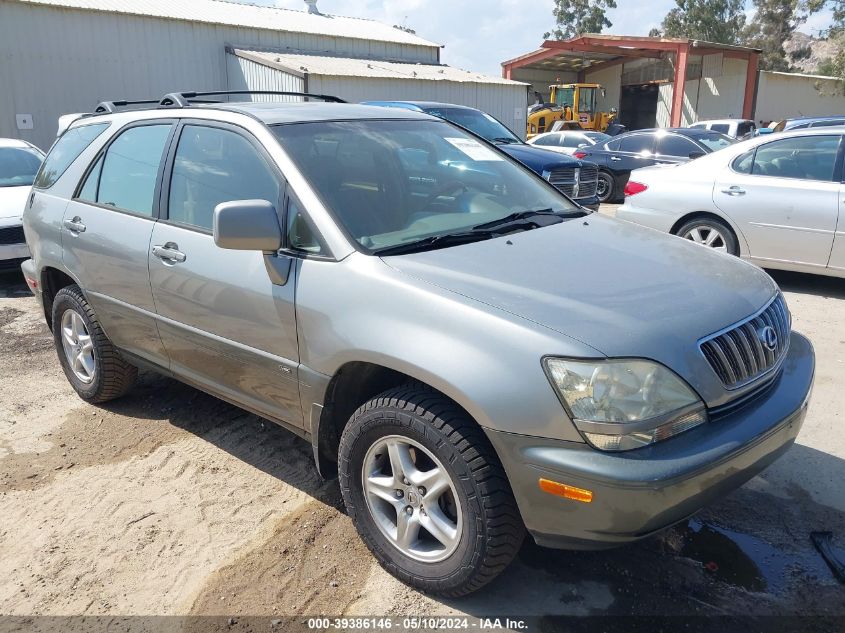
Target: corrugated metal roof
<point>249,16</point>
<point>351,67</point>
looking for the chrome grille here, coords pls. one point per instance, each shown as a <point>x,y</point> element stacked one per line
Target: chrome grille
<point>12,235</point>
<point>576,182</point>
<point>740,354</point>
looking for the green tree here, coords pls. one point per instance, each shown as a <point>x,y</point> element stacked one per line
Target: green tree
<point>719,21</point>
<point>773,23</point>
<point>576,17</point>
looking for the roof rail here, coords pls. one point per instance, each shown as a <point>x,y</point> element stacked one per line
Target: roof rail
<point>183,99</point>
<point>107,107</point>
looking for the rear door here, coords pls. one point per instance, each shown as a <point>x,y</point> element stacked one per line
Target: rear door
<point>225,325</point>
<point>106,235</point>
<point>784,195</point>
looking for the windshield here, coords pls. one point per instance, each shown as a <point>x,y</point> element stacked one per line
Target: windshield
<point>714,141</point>
<point>393,182</point>
<point>18,166</point>
<point>477,122</point>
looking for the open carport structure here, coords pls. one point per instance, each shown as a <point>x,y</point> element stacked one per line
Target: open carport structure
<point>652,81</point>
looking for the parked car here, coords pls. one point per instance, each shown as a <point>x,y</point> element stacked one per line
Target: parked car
<point>739,129</point>
<point>19,162</point>
<point>414,304</point>
<point>808,122</point>
<point>774,200</point>
<point>575,178</point>
<point>618,157</point>
<point>569,141</point>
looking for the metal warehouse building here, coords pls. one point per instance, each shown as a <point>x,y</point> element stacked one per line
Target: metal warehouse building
<point>61,56</point>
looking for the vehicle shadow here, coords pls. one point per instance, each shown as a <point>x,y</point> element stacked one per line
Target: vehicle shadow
<point>806,283</point>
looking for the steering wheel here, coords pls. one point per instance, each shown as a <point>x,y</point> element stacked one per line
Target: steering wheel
<point>449,187</point>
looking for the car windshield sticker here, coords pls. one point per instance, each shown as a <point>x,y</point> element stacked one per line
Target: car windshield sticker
<point>474,149</point>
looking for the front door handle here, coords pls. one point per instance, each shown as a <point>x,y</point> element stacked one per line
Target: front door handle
<point>615,158</point>
<point>75,225</point>
<point>734,191</point>
<point>169,253</point>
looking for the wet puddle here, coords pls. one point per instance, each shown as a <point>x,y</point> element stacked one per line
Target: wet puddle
<point>749,562</point>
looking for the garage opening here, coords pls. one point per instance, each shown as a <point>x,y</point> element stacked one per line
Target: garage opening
<point>638,106</point>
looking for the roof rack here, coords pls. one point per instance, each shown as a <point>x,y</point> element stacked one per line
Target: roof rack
<point>184,99</point>
<point>107,107</point>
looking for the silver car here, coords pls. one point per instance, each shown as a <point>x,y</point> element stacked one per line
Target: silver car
<point>774,200</point>
<point>474,355</point>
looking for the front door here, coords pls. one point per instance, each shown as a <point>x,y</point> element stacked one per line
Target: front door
<point>107,228</point>
<point>785,198</point>
<point>226,326</point>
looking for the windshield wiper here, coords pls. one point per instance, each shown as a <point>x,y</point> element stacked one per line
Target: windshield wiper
<point>436,241</point>
<point>505,140</point>
<point>522,215</point>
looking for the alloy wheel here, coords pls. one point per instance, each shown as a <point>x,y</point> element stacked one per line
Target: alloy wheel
<point>78,346</point>
<point>412,499</point>
<point>707,235</point>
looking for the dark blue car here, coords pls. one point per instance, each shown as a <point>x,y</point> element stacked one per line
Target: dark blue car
<point>575,178</point>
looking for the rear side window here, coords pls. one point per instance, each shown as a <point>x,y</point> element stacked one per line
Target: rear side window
<point>744,128</point>
<point>549,139</point>
<point>66,150</point>
<point>129,171</point>
<point>211,166</point>
<point>744,162</point>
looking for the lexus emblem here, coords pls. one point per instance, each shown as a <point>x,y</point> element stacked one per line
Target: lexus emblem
<point>768,337</point>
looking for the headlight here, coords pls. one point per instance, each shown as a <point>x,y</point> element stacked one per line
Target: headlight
<point>623,404</point>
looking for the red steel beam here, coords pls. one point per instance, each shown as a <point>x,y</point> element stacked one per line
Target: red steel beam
<point>750,85</point>
<point>681,57</point>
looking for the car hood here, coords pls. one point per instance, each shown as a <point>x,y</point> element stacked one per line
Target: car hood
<point>624,290</point>
<point>12,201</point>
<point>539,159</point>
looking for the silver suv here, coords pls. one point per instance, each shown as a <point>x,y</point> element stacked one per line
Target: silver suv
<point>472,353</point>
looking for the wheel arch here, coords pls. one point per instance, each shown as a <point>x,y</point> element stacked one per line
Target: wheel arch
<point>52,280</point>
<point>353,384</point>
<point>694,215</point>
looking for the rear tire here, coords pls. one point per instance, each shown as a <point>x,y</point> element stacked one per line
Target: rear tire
<point>93,366</point>
<point>416,430</point>
<point>710,232</point>
<point>606,188</point>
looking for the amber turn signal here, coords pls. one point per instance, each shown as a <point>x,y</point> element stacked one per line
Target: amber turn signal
<point>562,490</point>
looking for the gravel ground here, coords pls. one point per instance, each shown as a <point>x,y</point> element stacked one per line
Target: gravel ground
<point>169,501</point>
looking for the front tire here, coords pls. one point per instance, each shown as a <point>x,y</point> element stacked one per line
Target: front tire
<point>93,366</point>
<point>606,187</point>
<point>427,492</point>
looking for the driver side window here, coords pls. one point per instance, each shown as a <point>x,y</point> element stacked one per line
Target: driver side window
<point>805,158</point>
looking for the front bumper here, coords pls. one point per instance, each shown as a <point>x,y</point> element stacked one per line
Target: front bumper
<point>640,492</point>
<point>11,253</point>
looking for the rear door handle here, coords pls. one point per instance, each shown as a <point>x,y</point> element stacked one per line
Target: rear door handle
<point>615,158</point>
<point>75,225</point>
<point>169,253</point>
<point>734,191</point>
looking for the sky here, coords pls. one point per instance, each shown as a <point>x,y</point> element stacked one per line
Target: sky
<point>480,34</point>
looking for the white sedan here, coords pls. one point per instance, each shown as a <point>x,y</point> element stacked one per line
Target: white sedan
<point>19,162</point>
<point>567,141</point>
<point>776,200</point>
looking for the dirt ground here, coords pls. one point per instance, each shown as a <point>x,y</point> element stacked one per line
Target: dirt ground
<point>171,502</point>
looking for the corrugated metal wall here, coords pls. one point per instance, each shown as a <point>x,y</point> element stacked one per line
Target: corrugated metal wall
<point>54,61</point>
<point>245,74</point>
<point>716,97</point>
<point>505,102</point>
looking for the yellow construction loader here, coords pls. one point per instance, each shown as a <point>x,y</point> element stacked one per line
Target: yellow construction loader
<point>575,103</point>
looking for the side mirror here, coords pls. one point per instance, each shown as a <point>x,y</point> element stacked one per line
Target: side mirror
<point>694,155</point>
<point>247,225</point>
